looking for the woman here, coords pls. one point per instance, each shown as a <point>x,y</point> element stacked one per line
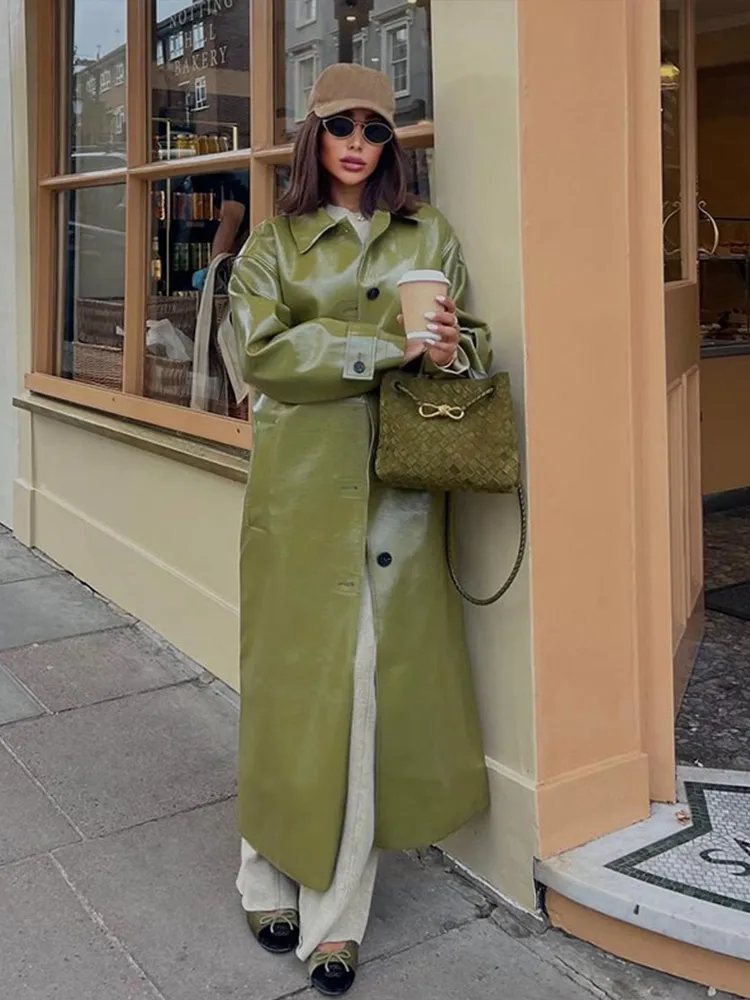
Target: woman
<point>343,578</point>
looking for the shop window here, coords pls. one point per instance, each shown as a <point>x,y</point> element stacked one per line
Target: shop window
<point>176,45</point>
<point>91,288</point>
<point>672,98</point>
<point>128,347</point>
<point>209,77</point>
<point>360,31</point>
<point>396,58</point>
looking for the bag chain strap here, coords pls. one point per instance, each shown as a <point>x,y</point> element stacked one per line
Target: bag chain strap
<point>484,602</point>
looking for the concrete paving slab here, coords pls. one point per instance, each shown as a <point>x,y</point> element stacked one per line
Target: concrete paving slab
<point>18,563</point>
<point>83,670</point>
<point>476,962</point>
<point>166,889</point>
<point>415,902</point>
<point>607,975</point>
<point>120,763</point>
<point>51,949</point>
<point>50,607</point>
<point>15,701</point>
<point>29,822</point>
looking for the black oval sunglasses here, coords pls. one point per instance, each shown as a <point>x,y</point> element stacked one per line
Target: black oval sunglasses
<point>377,133</point>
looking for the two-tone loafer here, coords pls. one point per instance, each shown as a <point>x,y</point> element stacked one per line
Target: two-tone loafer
<point>332,973</point>
<point>275,930</point>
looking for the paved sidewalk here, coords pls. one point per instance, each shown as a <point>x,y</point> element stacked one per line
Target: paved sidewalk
<point>118,851</point>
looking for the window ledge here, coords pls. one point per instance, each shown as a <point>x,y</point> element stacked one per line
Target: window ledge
<point>225,462</point>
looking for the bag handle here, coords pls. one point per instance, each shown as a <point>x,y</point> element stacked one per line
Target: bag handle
<point>484,602</point>
<point>199,392</point>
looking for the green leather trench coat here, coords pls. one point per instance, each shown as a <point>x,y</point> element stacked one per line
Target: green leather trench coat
<point>316,314</point>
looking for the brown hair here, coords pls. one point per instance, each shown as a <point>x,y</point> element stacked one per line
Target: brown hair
<point>387,188</point>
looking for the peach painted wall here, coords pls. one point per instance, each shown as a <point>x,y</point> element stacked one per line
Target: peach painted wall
<point>588,476</point>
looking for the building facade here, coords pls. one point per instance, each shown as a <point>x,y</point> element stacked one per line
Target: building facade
<point>539,128</point>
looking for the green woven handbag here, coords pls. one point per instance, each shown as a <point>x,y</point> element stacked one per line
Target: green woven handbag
<point>451,435</point>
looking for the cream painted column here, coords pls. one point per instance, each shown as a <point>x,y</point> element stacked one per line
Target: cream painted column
<point>476,82</point>
<point>21,13</point>
<point>8,278</point>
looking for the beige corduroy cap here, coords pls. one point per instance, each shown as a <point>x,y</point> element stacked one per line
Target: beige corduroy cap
<point>345,86</point>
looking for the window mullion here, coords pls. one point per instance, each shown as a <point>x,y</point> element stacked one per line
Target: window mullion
<point>46,152</point>
<point>262,124</point>
<point>137,213</point>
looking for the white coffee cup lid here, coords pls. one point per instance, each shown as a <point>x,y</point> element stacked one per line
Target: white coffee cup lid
<point>436,276</point>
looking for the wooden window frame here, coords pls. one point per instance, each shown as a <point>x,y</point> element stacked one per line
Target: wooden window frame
<point>261,160</point>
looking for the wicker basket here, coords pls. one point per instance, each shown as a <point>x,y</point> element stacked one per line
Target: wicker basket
<point>98,319</point>
<point>165,380</point>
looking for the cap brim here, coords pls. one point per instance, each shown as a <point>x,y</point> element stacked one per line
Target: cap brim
<point>338,107</point>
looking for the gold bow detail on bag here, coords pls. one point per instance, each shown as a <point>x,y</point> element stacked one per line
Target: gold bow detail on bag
<point>430,410</point>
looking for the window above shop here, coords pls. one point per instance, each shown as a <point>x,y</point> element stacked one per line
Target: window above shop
<point>176,45</point>
<point>139,188</point>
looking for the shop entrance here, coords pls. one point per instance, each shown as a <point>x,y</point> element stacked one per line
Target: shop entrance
<point>706,91</point>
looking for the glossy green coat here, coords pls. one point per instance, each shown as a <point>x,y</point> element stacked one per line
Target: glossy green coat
<point>317,340</point>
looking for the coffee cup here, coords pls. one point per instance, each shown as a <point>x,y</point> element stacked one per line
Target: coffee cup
<point>419,290</point>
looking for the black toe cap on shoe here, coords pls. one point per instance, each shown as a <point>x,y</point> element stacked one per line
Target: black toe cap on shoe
<point>333,981</point>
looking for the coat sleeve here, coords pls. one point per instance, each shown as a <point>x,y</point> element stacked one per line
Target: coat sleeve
<point>317,361</point>
<point>475,336</point>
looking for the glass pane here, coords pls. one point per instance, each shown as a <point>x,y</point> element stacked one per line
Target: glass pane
<point>96,74</point>
<point>194,218</point>
<point>91,293</point>
<point>671,104</point>
<point>200,77</point>
<point>421,180</point>
<point>313,34</point>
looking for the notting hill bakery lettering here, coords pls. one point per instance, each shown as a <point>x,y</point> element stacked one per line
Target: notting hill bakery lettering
<point>204,8</point>
<point>208,58</point>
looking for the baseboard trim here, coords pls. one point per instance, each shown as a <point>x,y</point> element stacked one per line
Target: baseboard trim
<point>583,805</point>
<point>635,944</point>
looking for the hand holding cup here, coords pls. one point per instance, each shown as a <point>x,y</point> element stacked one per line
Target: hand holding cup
<point>429,315</point>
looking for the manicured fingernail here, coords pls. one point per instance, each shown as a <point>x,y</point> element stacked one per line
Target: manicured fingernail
<point>432,327</point>
<point>430,315</point>
<point>440,299</point>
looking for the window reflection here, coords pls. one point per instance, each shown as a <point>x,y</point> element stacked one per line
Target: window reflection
<point>93,285</point>
<point>97,75</point>
<point>381,34</point>
<point>200,77</point>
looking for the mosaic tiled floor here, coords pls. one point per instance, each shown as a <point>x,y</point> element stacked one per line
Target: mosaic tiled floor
<point>684,873</point>
<point>713,726</point>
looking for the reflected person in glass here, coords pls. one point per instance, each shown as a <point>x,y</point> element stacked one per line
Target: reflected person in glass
<point>350,625</point>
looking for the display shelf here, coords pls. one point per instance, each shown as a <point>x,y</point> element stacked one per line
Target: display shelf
<point>177,247</point>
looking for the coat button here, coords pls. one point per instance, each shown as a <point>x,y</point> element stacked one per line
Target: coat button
<point>385,559</point>
<point>373,293</point>
<point>359,367</point>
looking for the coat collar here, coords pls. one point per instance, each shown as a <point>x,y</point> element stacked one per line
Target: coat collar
<point>307,229</point>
